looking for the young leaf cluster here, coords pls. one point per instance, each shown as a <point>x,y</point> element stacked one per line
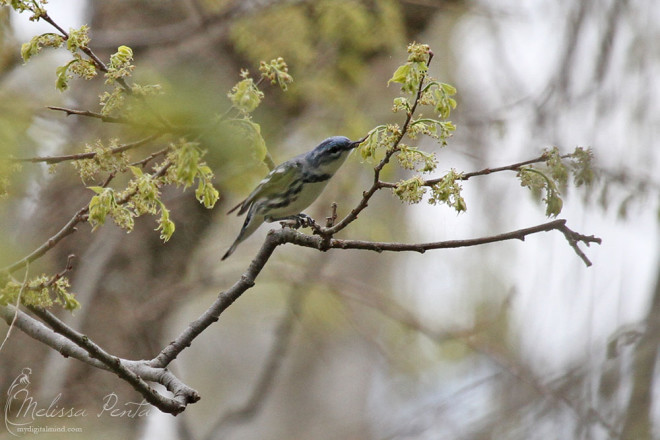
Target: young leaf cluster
<point>147,201</point>
<point>105,160</point>
<point>438,130</point>
<point>142,196</point>
<point>410,74</point>
<point>120,65</point>
<point>105,203</point>
<point>277,72</point>
<point>410,190</point>
<point>448,191</point>
<point>183,166</point>
<point>189,167</point>
<point>41,291</point>
<point>547,182</point>
<point>246,96</point>
<point>76,40</point>
<point>38,42</point>
<point>382,137</point>
<point>418,89</point>
<point>412,158</point>
<point>37,7</point>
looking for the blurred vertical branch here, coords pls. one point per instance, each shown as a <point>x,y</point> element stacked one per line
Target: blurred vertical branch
<point>638,416</point>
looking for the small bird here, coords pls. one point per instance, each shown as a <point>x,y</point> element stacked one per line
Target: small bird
<point>292,186</point>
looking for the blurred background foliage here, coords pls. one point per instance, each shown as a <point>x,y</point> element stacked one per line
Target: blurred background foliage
<point>507,341</point>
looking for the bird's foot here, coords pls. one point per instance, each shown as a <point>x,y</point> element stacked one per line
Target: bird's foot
<point>305,221</point>
<point>298,221</point>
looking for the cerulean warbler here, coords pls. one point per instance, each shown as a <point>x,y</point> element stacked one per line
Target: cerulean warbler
<point>292,186</point>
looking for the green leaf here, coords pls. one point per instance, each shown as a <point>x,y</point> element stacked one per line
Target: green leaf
<point>120,64</point>
<point>165,225</point>
<point>62,82</point>
<point>29,49</point>
<point>121,58</point>
<point>100,206</point>
<point>206,194</point>
<point>448,88</point>
<point>401,74</point>
<point>97,189</point>
<point>137,171</point>
<point>36,43</point>
<point>537,181</point>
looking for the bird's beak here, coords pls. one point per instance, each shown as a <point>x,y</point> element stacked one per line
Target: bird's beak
<point>358,142</point>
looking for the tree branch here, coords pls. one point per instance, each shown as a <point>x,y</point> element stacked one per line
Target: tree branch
<point>292,236</point>
<point>100,65</point>
<point>89,154</point>
<point>38,331</point>
<point>484,172</point>
<point>286,235</point>
<point>137,371</point>
<point>67,229</point>
<point>224,300</point>
<point>90,114</point>
<point>165,126</point>
<point>183,395</point>
<point>512,167</point>
<point>81,216</point>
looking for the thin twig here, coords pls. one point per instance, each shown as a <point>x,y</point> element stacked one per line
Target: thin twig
<point>143,162</point>
<point>90,114</point>
<point>90,154</point>
<point>574,238</point>
<point>59,275</point>
<point>376,185</point>
<point>70,226</point>
<point>102,67</point>
<point>67,229</point>
<point>164,127</point>
<point>484,172</point>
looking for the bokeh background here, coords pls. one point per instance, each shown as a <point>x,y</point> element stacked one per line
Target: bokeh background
<point>512,340</point>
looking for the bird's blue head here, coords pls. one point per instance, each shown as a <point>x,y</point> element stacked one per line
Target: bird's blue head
<point>330,150</point>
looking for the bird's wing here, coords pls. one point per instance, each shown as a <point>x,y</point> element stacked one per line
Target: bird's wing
<point>278,180</point>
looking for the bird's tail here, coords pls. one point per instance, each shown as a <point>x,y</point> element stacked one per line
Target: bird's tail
<point>248,228</point>
<point>232,248</point>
